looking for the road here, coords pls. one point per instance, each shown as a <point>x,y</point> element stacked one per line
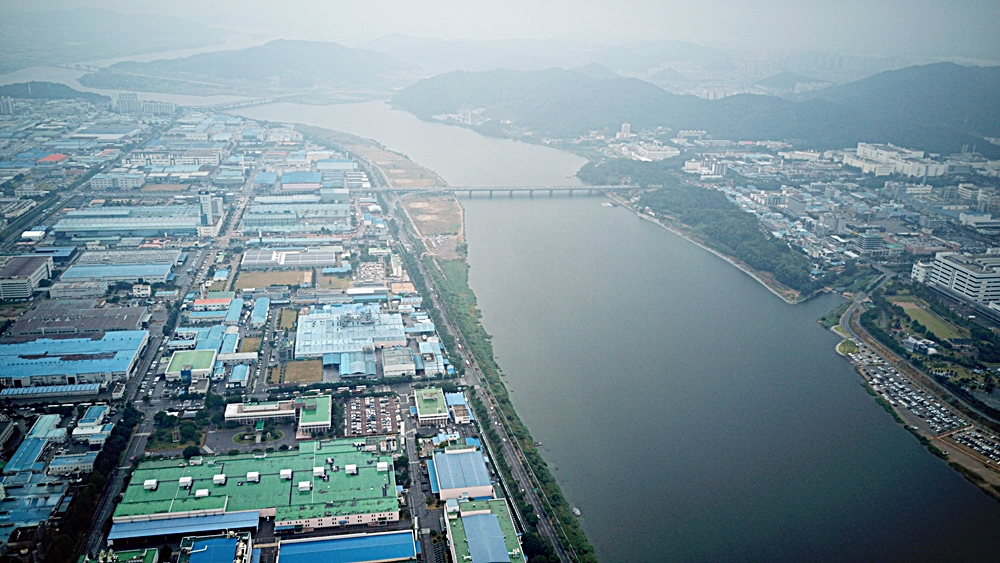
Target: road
<point>510,448</point>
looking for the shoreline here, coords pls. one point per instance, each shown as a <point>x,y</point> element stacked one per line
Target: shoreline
<point>732,261</point>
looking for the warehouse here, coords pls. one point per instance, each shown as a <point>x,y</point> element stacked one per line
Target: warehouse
<point>385,547</point>
<point>72,464</point>
<point>78,290</point>
<point>49,393</point>
<point>258,318</point>
<point>482,531</point>
<point>144,221</point>
<point>458,473</point>
<point>73,360</point>
<point>139,256</point>
<point>70,316</point>
<point>111,273</point>
<point>323,484</point>
<point>267,259</point>
<point>338,329</point>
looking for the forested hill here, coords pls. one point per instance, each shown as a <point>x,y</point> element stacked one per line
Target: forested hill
<point>958,106</point>
<point>49,91</point>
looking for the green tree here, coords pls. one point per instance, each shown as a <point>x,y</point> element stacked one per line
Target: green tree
<point>191,451</point>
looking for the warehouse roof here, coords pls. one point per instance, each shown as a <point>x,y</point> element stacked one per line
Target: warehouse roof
<point>301,178</point>
<point>430,401</point>
<point>484,533</point>
<point>54,390</point>
<point>197,359</point>
<point>370,491</point>
<point>184,526</point>
<point>366,548</point>
<point>112,353</point>
<point>115,271</point>
<point>23,266</point>
<point>461,469</point>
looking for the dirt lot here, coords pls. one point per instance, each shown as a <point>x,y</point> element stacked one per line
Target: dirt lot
<point>265,279</point>
<point>306,371</point>
<point>274,375</point>
<point>401,171</point>
<point>250,345</point>
<point>333,282</point>
<point>439,221</point>
<point>149,188</point>
<point>288,318</point>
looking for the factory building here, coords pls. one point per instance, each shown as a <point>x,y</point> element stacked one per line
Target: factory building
<point>973,278</point>
<point>482,531</point>
<point>21,275</point>
<point>338,329</point>
<point>432,409</point>
<point>113,273</point>
<point>460,473</point>
<point>70,361</point>
<point>267,259</point>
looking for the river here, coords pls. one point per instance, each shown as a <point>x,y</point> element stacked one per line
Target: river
<point>689,414</point>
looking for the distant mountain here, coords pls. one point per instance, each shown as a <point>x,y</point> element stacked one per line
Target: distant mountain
<point>275,65</point>
<point>965,98</point>
<point>49,91</point>
<point>86,34</point>
<point>562,104</point>
<point>784,81</point>
<point>596,71</point>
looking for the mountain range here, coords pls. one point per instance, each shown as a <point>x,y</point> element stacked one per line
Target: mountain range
<point>939,107</point>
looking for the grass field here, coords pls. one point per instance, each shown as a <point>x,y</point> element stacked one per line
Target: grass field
<point>916,310</point>
<point>265,279</point>
<point>274,375</point>
<point>847,347</point>
<point>333,282</point>
<point>250,345</point>
<point>288,318</point>
<point>305,371</point>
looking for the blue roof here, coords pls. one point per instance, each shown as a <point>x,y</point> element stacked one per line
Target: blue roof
<point>215,550</point>
<point>239,373</point>
<point>459,470</point>
<point>189,525</point>
<point>486,543</point>
<point>235,310</point>
<point>93,414</point>
<point>230,343</point>
<point>88,457</point>
<point>26,457</point>
<point>392,546</point>
<point>266,178</point>
<point>431,472</point>
<point>113,353</point>
<point>260,307</point>
<point>102,271</point>
<point>302,178</point>
<point>51,390</point>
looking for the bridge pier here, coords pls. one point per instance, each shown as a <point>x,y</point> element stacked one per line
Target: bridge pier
<point>531,193</point>
<point>470,194</point>
<point>511,194</point>
<point>590,192</point>
<point>551,192</point>
<point>491,194</point>
<point>571,193</point>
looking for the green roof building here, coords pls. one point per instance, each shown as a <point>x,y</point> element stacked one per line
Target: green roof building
<point>198,362</point>
<point>482,531</point>
<point>431,406</point>
<point>323,484</point>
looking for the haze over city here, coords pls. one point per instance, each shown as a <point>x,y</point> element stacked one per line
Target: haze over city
<point>499,282</point>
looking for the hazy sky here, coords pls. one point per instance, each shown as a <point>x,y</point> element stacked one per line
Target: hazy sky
<point>923,27</point>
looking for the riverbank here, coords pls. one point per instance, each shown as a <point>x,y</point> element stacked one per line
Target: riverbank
<point>784,293</point>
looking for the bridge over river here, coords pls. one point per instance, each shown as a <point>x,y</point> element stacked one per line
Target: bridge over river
<point>509,191</point>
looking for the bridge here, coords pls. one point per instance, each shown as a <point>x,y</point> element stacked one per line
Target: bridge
<point>509,191</point>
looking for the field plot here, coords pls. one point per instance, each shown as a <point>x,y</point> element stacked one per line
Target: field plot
<point>304,371</point>
<point>917,311</point>
<point>274,374</point>
<point>288,318</point>
<point>333,282</point>
<point>440,215</point>
<point>265,279</point>
<point>250,345</point>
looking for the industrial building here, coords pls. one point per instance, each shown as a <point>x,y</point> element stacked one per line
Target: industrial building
<point>141,221</point>
<point>460,473</point>
<point>974,278</point>
<point>267,259</point>
<point>258,318</point>
<point>29,499</point>
<point>72,316</point>
<point>69,361</point>
<point>222,548</point>
<point>432,409</point>
<point>48,393</point>
<point>398,361</point>
<point>138,256</point>
<point>297,218</point>
<point>385,547</point>
<point>322,485</point>
<point>21,275</point>
<point>338,329</point>
<point>72,464</point>
<point>112,273</point>
<point>78,290</point>
<point>482,531</point>
<point>190,365</point>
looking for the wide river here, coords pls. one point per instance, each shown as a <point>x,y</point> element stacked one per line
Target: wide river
<point>688,413</point>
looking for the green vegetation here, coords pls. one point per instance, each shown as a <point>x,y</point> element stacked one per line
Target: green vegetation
<point>832,318</point>
<point>938,107</point>
<point>847,347</point>
<point>50,91</point>
<point>740,235</point>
